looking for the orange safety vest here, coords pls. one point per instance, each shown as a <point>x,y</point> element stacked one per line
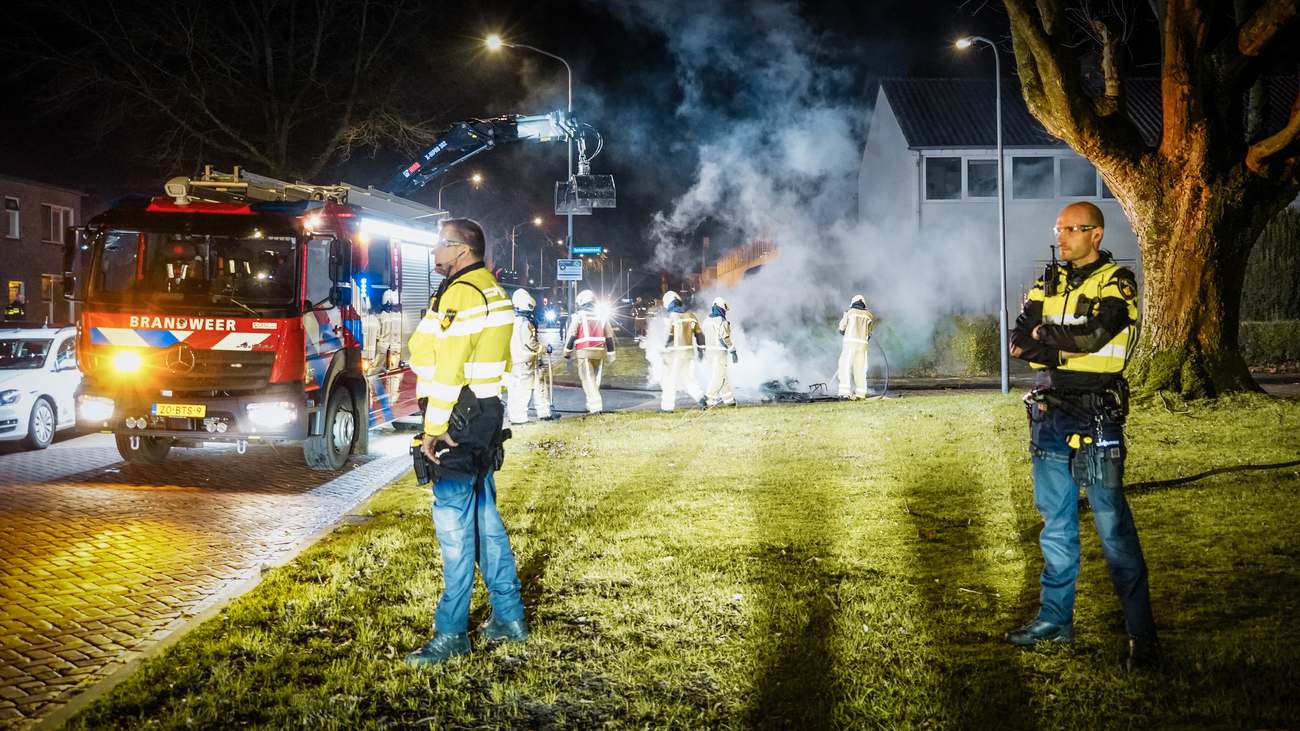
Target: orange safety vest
<point>590,333</point>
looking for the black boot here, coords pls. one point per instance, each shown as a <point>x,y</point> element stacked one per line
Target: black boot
<point>1144,654</point>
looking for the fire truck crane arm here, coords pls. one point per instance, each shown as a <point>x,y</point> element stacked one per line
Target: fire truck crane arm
<point>463,140</point>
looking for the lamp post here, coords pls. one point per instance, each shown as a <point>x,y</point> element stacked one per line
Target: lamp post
<point>963,44</point>
<point>476,179</point>
<point>494,42</point>
<point>536,221</point>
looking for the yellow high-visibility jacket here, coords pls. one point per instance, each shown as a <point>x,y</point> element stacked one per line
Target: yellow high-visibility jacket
<point>464,339</point>
<point>1094,313</point>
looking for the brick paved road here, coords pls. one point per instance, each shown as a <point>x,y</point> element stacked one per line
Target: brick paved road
<point>99,559</point>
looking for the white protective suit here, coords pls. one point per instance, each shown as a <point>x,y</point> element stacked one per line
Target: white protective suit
<point>588,339</point>
<point>684,336</point>
<point>527,380</point>
<point>718,349</point>
<point>856,326</point>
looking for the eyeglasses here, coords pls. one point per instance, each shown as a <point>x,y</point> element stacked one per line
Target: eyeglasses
<point>451,242</point>
<point>1074,229</point>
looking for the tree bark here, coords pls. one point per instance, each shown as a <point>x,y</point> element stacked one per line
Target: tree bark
<point>1194,252</point>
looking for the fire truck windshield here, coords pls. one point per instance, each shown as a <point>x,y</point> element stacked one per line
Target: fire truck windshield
<point>200,269</point>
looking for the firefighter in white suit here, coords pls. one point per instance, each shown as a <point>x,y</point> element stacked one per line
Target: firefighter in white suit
<point>684,344</point>
<point>718,349</point>
<point>855,326</point>
<point>526,353</point>
<point>592,339</point>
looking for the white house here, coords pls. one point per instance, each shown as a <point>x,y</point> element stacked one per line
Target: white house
<point>930,169</point>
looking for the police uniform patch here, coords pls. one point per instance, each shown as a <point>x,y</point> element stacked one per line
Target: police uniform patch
<point>1127,289</point>
<point>448,317</point>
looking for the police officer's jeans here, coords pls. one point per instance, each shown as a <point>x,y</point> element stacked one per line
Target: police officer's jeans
<point>469,528</point>
<point>1056,495</point>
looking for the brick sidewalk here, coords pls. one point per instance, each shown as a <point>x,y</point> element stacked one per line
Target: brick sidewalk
<point>98,564</point>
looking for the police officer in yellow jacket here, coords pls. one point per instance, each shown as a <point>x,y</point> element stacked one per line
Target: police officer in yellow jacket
<point>460,354</point>
<point>1077,328</point>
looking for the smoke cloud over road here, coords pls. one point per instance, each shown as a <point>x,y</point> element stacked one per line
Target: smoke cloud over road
<point>778,130</point>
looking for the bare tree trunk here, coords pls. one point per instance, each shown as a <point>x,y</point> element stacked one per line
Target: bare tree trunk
<point>1194,250</point>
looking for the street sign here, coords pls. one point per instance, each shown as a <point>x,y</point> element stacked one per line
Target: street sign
<point>568,270</point>
<point>588,249</point>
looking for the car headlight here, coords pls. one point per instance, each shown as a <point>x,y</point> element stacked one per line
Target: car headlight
<point>271,414</point>
<point>127,361</point>
<point>94,408</point>
<point>10,396</point>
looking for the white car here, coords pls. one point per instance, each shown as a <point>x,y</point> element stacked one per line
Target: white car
<point>38,382</point>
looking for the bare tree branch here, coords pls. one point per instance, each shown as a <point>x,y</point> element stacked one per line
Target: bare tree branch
<point>1259,155</point>
<point>1265,25</point>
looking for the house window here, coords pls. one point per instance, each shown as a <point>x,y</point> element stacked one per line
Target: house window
<point>1105,190</point>
<point>16,287</point>
<point>1078,178</point>
<point>54,220</point>
<point>981,178</point>
<point>942,178</point>
<point>48,283</point>
<point>1033,177</point>
<point>11,218</point>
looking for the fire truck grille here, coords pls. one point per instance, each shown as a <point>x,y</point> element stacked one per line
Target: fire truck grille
<point>226,370</point>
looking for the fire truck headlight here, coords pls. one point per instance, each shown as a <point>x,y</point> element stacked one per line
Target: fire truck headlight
<point>94,408</point>
<point>9,396</point>
<point>271,414</point>
<point>551,316</point>
<point>604,311</point>
<point>127,361</point>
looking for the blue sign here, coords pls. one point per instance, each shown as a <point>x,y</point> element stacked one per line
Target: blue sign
<point>568,270</point>
<point>588,249</point>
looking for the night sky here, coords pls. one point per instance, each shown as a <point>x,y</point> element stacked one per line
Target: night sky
<point>628,83</point>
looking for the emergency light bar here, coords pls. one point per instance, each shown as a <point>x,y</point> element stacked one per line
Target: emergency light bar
<point>380,227</point>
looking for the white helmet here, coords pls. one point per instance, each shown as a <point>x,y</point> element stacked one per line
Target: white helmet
<point>586,297</point>
<point>721,304</point>
<point>671,297</point>
<point>856,299</point>
<point>523,301</point>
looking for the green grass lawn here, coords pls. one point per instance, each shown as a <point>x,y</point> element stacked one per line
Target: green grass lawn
<point>836,565</point>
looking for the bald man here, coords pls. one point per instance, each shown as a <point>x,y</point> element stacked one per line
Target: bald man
<point>1077,329</point>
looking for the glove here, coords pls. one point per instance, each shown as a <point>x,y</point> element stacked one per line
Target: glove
<point>734,357</point>
<point>609,357</point>
<point>568,354</point>
<point>549,350</point>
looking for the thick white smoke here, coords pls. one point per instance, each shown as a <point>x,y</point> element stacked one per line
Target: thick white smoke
<point>780,140</point>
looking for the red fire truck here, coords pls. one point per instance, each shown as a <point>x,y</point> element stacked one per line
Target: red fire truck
<point>239,308</point>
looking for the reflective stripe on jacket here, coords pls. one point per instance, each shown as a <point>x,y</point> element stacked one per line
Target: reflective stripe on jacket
<point>1078,304</point>
<point>856,325</point>
<point>464,339</point>
<point>683,330</point>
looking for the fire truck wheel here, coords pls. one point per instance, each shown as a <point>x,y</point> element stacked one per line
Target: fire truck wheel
<point>153,450</point>
<point>330,450</point>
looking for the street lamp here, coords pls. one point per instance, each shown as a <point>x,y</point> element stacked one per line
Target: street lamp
<point>494,42</point>
<point>537,221</point>
<point>962,44</point>
<point>476,179</point>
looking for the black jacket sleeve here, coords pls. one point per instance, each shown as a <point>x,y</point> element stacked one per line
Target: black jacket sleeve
<point>1108,317</point>
<point>1032,351</point>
